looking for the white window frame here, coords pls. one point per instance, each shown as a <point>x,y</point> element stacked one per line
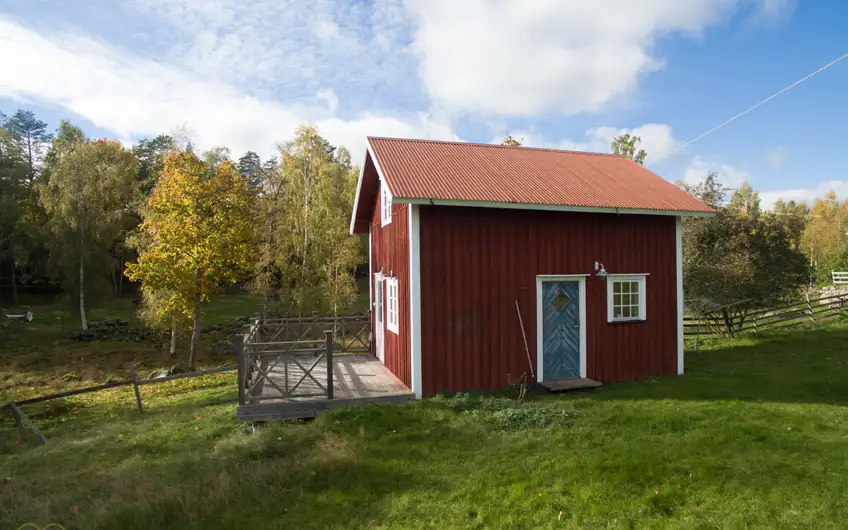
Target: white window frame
<point>385,204</point>
<point>392,305</point>
<point>612,279</point>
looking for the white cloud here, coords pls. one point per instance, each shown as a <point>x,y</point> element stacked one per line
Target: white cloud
<point>657,139</point>
<point>133,96</point>
<point>768,198</point>
<point>289,46</point>
<point>728,175</point>
<point>513,57</point>
<point>775,157</point>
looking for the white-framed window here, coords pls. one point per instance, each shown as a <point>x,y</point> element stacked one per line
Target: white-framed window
<point>385,204</point>
<point>625,297</point>
<point>392,304</point>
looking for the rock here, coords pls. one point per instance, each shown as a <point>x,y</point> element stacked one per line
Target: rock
<point>223,348</point>
<point>161,372</point>
<point>176,369</point>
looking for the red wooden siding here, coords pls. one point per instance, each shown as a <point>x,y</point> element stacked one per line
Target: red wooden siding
<point>390,254</point>
<point>475,262</point>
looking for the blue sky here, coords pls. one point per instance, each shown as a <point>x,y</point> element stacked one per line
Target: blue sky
<point>557,73</point>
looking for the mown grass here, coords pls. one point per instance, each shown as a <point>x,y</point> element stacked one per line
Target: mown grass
<point>753,436</point>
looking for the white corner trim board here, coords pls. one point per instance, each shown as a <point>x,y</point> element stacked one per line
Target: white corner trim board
<point>415,298</point>
<point>581,286</point>
<point>678,237</point>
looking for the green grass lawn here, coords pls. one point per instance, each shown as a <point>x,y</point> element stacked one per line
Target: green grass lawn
<point>755,435</point>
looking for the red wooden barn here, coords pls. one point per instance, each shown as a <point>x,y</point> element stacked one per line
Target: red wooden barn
<point>464,238</point>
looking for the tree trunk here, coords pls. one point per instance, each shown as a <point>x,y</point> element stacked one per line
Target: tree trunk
<point>173,336</point>
<point>120,275</point>
<point>14,284</point>
<point>114,279</point>
<point>195,328</point>
<point>82,289</point>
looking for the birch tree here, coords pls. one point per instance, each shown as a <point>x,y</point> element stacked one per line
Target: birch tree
<point>313,256</point>
<point>86,194</point>
<point>628,145</point>
<point>196,236</point>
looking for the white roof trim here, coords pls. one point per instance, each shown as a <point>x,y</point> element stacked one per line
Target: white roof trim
<point>368,150</point>
<point>552,207</point>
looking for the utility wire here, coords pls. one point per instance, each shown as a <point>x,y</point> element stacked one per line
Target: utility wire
<point>746,111</point>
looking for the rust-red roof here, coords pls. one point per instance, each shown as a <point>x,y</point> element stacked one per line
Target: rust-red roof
<point>467,172</point>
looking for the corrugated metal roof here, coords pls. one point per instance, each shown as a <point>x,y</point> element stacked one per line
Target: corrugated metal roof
<point>457,171</point>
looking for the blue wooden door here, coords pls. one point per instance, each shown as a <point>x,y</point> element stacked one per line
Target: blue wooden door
<point>560,329</point>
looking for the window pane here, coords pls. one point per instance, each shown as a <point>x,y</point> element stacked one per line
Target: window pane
<point>616,312</point>
<point>634,287</point>
<point>616,287</point>
<point>616,299</point>
<point>625,287</point>
<point>625,312</point>
<point>625,299</point>
<point>634,311</point>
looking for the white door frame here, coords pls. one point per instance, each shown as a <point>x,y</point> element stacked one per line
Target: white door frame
<point>379,317</point>
<point>581,286</point>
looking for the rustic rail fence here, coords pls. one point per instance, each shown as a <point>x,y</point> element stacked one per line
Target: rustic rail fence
<point>292,358</point>
<point>22,420</point>
<point>807,311</point>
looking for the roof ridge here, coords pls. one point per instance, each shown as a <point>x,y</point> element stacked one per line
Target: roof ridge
<point>496,146</point>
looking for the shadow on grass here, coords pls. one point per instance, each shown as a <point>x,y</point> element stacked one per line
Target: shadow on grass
<point>801,366</point>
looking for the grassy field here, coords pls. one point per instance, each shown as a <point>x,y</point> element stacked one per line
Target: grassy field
<point>38,358</point>
<point>755,435</point>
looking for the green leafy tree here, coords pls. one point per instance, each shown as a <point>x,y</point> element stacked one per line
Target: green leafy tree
<point>86,195</point>
<point>628,145</point>
<point>151,155</point>
<point>825,239</point>
<point>14,192</point>
<point>250,167</point>
<point>737,261</point>
<point>509,140</point>
<point>31,135</point>
<point>793,215</point>
<point>196,236</point>
<point>745,201</point>
<point>310,259</point>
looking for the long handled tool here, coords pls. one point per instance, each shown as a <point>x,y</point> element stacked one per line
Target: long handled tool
<point>526,348</point>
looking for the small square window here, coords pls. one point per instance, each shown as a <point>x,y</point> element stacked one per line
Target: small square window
<point>625,298</point>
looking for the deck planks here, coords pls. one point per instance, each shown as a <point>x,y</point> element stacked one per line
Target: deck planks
<point>357,379</point>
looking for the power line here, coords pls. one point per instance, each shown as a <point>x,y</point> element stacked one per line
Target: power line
<point>746,111</point>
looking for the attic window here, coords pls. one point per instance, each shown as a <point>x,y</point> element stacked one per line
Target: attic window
<point>385,204</point>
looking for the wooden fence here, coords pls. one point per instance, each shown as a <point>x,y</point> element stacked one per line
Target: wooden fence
<point>285,358</point>
<point>807,311</point>
<point>22,420</point>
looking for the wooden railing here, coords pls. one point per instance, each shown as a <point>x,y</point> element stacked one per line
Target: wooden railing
<point>351,334</point>
<point>290,358</point>
<point>839,278</point>
<point>806,311</point>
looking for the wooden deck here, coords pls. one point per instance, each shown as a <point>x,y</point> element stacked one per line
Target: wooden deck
<point>571,383</point>
<point>357,379</point>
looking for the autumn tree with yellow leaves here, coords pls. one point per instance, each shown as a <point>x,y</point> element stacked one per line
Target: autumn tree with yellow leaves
<point>196,236</point>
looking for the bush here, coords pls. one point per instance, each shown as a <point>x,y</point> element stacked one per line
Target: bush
<point>509,415</point>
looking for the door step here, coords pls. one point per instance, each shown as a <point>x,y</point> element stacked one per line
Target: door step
<point>571,383</point>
